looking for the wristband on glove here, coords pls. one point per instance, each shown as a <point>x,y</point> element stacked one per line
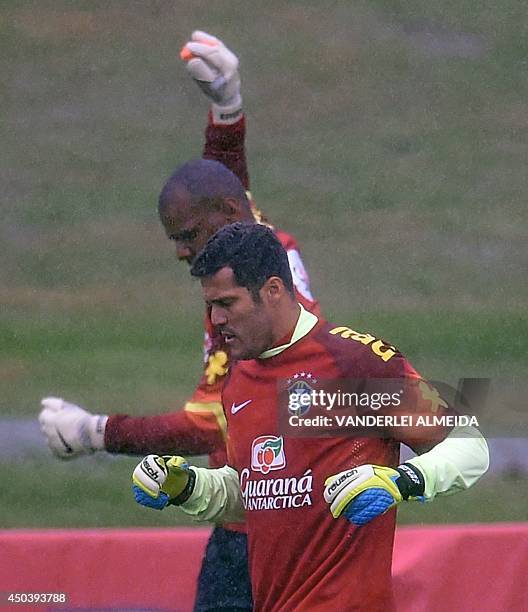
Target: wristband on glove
<point>183,495</point>
<point>363,493</point>
<point>411,482</point>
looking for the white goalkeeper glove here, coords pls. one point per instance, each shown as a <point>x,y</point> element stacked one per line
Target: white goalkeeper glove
<point>69,429</point>
<point>215,69</point>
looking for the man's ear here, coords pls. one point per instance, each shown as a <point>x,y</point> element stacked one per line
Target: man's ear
<point>273,290</point>
<point>231,208</point>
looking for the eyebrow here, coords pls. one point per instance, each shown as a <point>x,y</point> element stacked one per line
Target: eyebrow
<point>185,234</point>
<point>227,298</point>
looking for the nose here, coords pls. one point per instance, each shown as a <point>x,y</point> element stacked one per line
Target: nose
<point>183,252</point>
<point>218,316</point>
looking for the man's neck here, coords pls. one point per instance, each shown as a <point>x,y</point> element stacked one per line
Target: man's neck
<point>305,322</point>
<point>285,325</point>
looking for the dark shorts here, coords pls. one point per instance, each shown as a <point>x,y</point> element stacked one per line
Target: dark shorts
<point>224,582</point>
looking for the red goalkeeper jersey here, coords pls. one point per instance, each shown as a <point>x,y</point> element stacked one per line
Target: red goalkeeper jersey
<point>301,558</point>
<point>200,427</point>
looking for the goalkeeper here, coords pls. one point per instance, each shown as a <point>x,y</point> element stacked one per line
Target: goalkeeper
<point>197,199</point>
<point>319,510</point>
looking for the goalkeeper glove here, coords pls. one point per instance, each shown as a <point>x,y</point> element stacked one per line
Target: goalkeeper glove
<point>159,481</point>
<point>365,492</point>
<point>70,430</point>
<point>215,69</point>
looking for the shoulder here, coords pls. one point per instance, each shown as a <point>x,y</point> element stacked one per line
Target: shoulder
<point>287,240</point>
<point>300,276</point>
<point>360,354</point>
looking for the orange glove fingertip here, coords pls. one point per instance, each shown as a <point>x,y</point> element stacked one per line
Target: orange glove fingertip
<point>185,54</point>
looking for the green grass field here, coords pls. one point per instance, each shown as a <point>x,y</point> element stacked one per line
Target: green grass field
<point>95,492</point>
<point>390,138</point>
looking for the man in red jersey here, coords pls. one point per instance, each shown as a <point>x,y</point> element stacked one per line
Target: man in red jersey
<point>200,197</point>
<point>292,489</point>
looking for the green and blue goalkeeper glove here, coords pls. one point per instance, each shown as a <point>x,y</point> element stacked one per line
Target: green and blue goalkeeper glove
<point>365,492</point>
<point>160,481</point>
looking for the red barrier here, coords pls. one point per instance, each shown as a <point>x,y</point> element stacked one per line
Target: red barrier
<point>153,569</point>
<point>459,568</point>
<point>462,568</point>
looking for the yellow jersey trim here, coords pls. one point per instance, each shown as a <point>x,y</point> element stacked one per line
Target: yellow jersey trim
<point>208,407</point>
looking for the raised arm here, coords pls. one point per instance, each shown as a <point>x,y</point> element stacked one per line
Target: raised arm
<point>215,70</point>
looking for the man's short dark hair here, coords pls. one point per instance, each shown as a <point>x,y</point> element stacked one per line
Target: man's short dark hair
<point>252,251</point>
<point>205,180</point>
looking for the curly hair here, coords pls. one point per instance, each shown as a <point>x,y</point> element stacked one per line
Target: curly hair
<point>252,251</point>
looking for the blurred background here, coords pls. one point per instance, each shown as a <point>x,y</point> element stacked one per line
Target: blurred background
<point>391,138</point>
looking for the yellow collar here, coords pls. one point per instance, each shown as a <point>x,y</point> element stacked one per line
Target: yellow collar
<point>305,323</point>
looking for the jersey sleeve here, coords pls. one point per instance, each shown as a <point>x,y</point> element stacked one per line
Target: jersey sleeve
<point>226,144</point>
<point>455,464</point>
<point>412,410</point>
<point>216,496</point>
<point>198,429</point>
<point>419,401</point>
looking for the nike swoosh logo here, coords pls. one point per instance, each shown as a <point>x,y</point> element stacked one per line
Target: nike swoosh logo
<point>236,407</point>
<point>67,447</point>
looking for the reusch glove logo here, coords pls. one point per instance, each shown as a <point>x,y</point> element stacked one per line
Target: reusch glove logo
<point>151,471</point>
<point>343,478</point>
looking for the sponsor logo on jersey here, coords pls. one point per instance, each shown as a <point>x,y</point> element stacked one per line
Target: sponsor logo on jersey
<point>378,347</point>
<point>300,393</point>
<point>276,493</point>
<point>267,454</point>
<point>258,493</point>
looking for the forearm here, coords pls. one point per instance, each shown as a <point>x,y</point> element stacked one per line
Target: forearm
<point>454,464</point>
<point>363,493</point>
<point>216,496</point>
<point>186,432</point>
<point>225,144</point>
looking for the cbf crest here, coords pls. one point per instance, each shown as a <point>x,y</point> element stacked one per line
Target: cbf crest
<point>300,393</point>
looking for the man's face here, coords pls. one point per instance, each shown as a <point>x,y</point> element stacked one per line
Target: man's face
<point>189,225</point>
<point>246,325</point>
